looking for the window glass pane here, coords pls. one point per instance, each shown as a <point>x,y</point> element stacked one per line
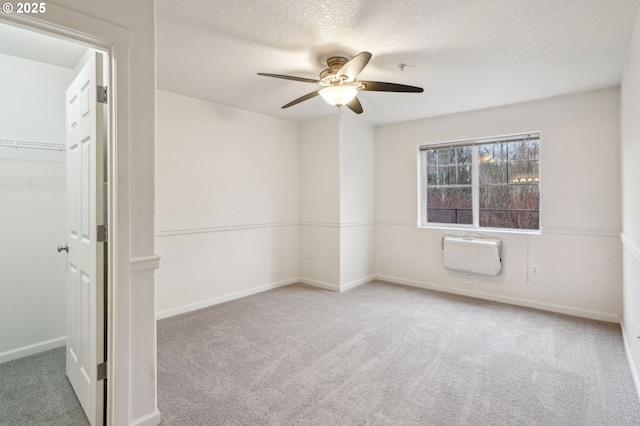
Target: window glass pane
<point>533,149</point>
<point>450,205</point>
<point>432,157</point>
<point>508,184</point>
<point>438,156</point>
<point>449,191</point>
<point>463,175</point>
<point>524,150</point>
<point>437,175</point>
<point>509,193</point>
<point>523,172</point>
<point>510,206</point>
<point>432,175</point>
<point>462,154</point>
<point>449,175</point>
<point>442,155</point>
<point>517,173</point>
<point>492,152</point>
<point>492,173</point>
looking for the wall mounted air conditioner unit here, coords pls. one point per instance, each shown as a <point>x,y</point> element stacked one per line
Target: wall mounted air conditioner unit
<point>472,254</point>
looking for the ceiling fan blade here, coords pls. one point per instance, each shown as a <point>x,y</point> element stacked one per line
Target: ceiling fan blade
<point>302,99</point>
<point>288,77</point>
<point>355,66</point>
<point>355,105</point>
<point>379,86</point>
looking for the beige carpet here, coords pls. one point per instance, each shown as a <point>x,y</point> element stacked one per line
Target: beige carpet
<point>385,354</point>
<point>35,391</point>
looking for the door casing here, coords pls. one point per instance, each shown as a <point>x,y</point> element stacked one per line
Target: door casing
<point>115,41</point>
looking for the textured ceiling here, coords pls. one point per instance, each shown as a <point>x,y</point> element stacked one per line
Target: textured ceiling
<point>465,54</point>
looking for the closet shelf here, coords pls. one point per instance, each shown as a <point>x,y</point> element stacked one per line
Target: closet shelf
<point>8,143</point>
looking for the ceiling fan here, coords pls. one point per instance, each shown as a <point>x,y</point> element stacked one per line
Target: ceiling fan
<point>341,86</point>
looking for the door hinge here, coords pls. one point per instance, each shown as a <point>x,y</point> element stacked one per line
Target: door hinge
<point>102,371</point>
<point>102,94</point>
<point>102,233</point>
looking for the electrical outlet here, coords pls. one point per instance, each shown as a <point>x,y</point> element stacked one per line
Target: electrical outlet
<point>534,270</point>
<point>311,255</point>
<point>469,279</point>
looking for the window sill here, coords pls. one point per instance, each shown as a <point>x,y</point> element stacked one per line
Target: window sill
<point>480,230</point>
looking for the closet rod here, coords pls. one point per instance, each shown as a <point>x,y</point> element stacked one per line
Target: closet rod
<point>32,145</point>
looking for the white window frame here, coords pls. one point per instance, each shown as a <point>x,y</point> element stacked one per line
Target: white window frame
<point>475,186</point>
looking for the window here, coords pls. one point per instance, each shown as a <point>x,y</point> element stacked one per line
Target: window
<point>489,183</point>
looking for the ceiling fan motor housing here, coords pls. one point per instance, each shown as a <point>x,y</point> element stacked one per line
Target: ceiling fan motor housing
<point>335,64</point>
<point>341,85</point>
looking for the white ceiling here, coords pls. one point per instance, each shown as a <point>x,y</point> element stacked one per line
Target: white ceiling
<point>465,54</point>
<point>15,41</point>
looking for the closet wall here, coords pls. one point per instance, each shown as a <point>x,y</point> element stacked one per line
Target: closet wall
<point>32,208</point>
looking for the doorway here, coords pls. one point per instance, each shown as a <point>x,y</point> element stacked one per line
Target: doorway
<point>34,181</point>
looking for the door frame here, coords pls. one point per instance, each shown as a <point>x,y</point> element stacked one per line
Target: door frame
<point>115,42</point>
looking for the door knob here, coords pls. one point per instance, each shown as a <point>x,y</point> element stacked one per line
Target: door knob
<point>65,248</point>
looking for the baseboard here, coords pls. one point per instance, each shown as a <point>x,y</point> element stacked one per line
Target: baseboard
<point>32,349</point>
<point>319,284</point>
<point>632,366</point>
<point>583,313</point>
<point>152,419</point>
<point>221,299</point>
<point>337,288</point>
<point>356,283</point>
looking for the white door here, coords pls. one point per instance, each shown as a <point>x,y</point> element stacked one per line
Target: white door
<point>85,265</point>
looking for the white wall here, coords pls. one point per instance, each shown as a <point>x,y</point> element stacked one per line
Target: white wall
<point>631,204</point>
<point>337,202</point>
<point>577,253</point>
<point>357,171</point>
<point>227,185</point>
<point>320,202</point>
<point>32,216</point>
<point>32,102</point>
<point>245,174</point>
<point>357,202</point>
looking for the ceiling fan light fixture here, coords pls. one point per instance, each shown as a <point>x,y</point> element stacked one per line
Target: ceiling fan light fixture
<point>341,84</point>
<point>338,95</point>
